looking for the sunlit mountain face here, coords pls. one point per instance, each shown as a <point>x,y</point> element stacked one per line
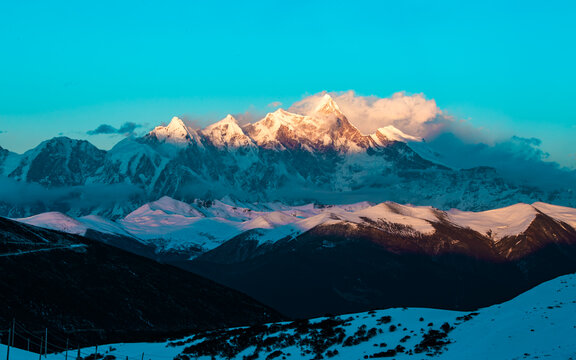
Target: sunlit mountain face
<point>312,153</point>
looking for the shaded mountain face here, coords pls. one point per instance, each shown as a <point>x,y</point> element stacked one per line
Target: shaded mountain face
<point>318,157</point>
<point>345,266</point>
<point>59,162</point>
<point>91,292</point>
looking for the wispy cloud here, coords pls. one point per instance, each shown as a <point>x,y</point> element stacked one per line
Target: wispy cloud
<point>127,129</point>
<point>248,117</point>
<point>275,104</point>
<point>41,198</point>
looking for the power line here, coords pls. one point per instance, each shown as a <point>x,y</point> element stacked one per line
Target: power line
<point>41,342</point>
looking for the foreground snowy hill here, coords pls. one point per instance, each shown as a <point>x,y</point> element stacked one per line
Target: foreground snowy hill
<point>538,324</point>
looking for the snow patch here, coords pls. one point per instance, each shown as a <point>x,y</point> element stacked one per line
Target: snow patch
<point>499,223</point>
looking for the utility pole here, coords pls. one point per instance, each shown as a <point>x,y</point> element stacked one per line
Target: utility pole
<point>142,356</point>
<point>28,348</point>
<point>40,352</point>
<point>78,357</point>
<point>46,344</point>
<point>13,330</point>
<point>8,343</point>
<point>96,350</point>
<point>66,358</point>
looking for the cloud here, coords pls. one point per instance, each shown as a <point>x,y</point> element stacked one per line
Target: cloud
<point>37,198</point>
<point>102,129</point>
<point>2,132</point>
<point>251,115</point>
<point>275,104</point>
<point>127,129</point>
<point>518,159</point>
<point>414,114</point>
<point>248,117</point>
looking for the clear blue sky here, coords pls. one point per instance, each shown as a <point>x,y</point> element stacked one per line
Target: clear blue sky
<point>508,66</point>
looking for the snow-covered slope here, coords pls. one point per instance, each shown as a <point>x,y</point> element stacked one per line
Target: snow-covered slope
<point>56,221</point>
<point>498,223</point>
<point>538,324</point>
<point>390,133</point>
<point>564,214</point>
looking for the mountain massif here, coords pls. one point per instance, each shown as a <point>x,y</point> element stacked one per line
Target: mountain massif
<point>294,158</point>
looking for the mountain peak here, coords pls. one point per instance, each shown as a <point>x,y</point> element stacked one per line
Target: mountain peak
<point>325,127</point>
<point>392,133</point>
<point>327,105</point>
<point>176,132</point>
<point>176,124</point>
<point>227,133</point>
<point>227,122</point>
<point>229,119</point>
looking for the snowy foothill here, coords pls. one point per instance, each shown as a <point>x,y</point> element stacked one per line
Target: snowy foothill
<point>172,225</point>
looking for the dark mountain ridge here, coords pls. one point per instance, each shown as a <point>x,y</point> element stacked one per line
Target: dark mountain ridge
<point>347,267</point>
<point>91,292</point>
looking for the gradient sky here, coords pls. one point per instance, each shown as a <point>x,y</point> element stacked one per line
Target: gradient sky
<point>508,67</point>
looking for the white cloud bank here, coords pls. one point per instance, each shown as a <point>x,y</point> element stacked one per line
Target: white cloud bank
<point>414,114</point>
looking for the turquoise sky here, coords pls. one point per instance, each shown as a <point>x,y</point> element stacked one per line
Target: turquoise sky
<point>508,67</point>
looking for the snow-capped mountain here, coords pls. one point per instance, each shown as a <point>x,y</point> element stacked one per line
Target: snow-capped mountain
<point>57,162</point>
<point>326,128</point>
<point>317,156</point>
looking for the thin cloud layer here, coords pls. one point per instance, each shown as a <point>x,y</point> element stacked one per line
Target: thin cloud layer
<point>127,129</point>
<point>38,198</point>
<point>516,158</point>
